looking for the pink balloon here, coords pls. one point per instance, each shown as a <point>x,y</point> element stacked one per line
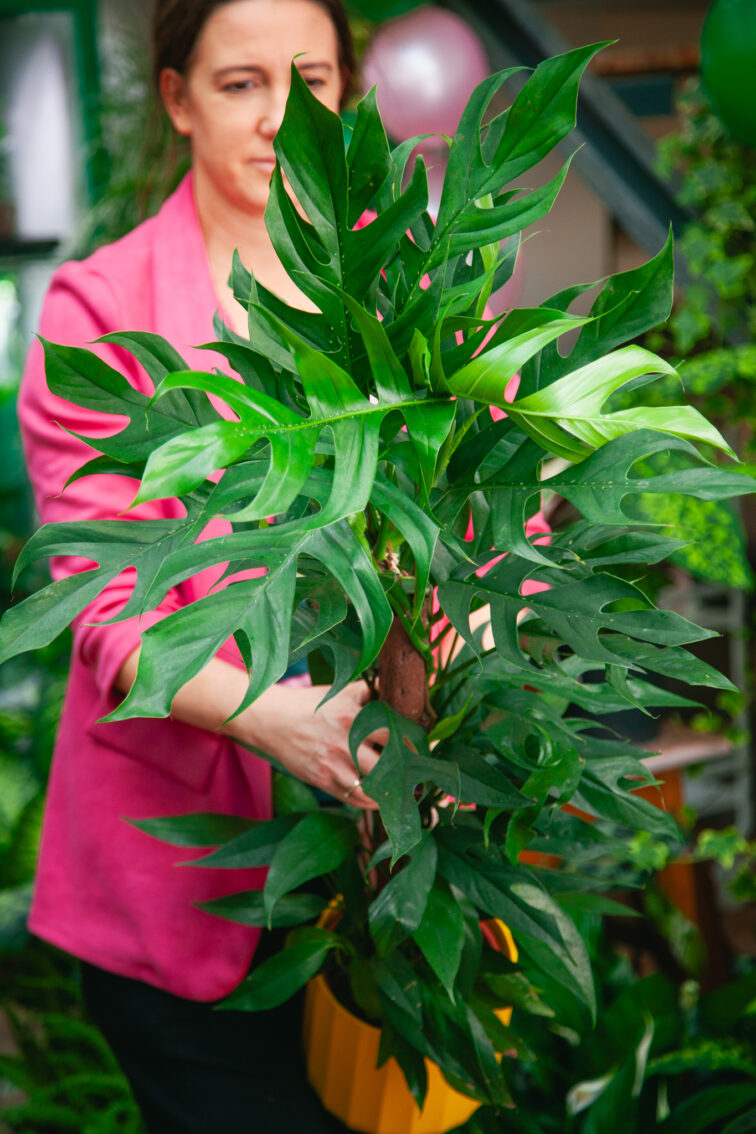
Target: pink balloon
<point>425,66</point>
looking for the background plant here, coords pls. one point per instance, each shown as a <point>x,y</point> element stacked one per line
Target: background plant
<point>61,1077</point>
<point>663,1057</point>
<point>373,520</point>
<point>710,332</point>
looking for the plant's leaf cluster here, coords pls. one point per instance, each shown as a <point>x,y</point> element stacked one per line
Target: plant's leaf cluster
<point>364,429</point>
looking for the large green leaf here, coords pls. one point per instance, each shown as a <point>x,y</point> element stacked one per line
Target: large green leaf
<point>159,358</point>
<point>258,609</point>
<point>277,979</point>
<point>586,613</point>
<point>407,762</point>
<point>572,405</point>
<point>598,486</point>
<point>177,648</point>
<point>611,773</point>
<point>544,932</point>
<point>254,847</point>
<point>441,936</point>
<point>705,1110</point>
<point>113,545</point>
<point>203,829</point>
<point>79,376</point>
<point>247,908</point>
<point>392,782</point>
<point>40,618</point>
<point>522,334</point>
<point>461,1043</point>
<point>628,304</point>
<point>402,902</point>
<point>317,845</point>
<point>542,115</point>
<point>368,157</point>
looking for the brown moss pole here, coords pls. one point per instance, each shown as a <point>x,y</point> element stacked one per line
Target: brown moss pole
<point>402,677</point>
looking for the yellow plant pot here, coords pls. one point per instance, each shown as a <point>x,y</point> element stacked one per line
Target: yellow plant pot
<point>342,1052</point>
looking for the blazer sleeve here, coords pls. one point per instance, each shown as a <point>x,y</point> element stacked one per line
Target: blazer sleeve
<point>79,307</point>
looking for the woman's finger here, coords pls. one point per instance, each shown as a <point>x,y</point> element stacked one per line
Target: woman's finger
<point>364,802</point>
<point>355,795</point>
<point>367,758</point>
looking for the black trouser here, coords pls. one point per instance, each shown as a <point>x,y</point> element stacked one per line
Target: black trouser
<point>197,1071</point>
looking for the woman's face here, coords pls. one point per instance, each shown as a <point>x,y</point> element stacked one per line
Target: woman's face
<point>232,99</point>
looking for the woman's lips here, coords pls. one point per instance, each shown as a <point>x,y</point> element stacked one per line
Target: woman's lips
<point>265,164</point>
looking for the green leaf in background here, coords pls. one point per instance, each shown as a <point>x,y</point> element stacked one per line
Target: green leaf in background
<point>742,1124</point>
<point>384,9</point>
<point>15,903</point>
<point>706,1109</point>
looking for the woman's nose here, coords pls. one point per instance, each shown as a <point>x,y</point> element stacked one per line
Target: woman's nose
<point>273,113</point>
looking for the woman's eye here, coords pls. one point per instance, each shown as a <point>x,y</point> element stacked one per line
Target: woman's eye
<point>239,86</point>
<point>315,84</point>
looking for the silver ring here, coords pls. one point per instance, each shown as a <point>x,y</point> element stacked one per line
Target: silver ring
<point>355,784</point>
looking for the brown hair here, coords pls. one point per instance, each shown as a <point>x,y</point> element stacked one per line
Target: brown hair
<point>177,24</point>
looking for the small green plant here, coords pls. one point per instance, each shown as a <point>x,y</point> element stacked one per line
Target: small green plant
<point>717,181</point>
<point>400,508</point>
<point>735,854</point>
<point>663,1058</point>
<point>709,336</point>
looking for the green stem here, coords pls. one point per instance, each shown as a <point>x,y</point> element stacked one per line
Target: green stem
<point>382,541</point>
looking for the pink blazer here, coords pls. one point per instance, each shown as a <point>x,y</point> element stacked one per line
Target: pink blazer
<point>106,891</point>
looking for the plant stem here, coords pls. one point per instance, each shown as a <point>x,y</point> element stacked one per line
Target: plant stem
<point>382,540</point>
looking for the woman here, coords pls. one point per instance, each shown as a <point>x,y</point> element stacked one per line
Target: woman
<point>153,962</point>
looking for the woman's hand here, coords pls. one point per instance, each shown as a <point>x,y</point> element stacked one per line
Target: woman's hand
<point>313,743</point>
<point>284,721</point>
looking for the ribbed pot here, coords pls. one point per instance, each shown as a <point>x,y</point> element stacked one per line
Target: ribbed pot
<point>342,1052</point>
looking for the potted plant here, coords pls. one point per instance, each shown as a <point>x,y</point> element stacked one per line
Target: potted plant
<point>365,430</point>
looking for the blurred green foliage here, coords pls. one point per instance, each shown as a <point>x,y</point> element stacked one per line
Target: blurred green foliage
<point>710,334</point>
<point>664,1058</point>
<point>145,158</point>
<point>717,180</point>
<point>380,10</point>
<point>61,1075</point>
